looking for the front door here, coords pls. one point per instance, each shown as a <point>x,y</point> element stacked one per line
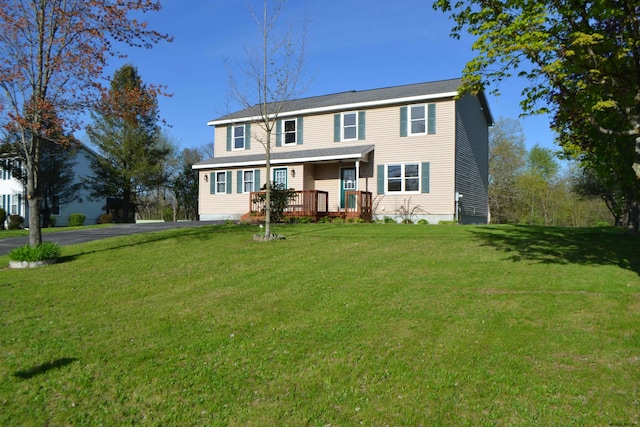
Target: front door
<point>347,183</point>
<point>280,176</point>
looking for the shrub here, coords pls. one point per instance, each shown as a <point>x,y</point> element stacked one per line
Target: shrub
<point>356,220</point>
<point>407,221</point>
<point>389,220</point>
<point>52,221</point>
<point>3,218</point>
<point>423,221</point>
<point>338,220</point>
<point>324,220</point>
<point>44,251</point>
<point>16,222</point>
<point>105,219</point>
<point>305,220</point>
<point>76,219</point>
<point>280,198</point>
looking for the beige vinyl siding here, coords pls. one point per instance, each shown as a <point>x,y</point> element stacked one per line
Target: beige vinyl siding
<point>438,150</point>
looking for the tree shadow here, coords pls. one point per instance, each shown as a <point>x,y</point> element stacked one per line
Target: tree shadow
<point>41,369</point>
<point>584,246</point>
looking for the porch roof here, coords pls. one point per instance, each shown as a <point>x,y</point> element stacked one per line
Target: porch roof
<point>351,152</point>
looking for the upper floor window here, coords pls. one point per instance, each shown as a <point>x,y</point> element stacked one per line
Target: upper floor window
<point>349,126</point>
<point>418,119</point>
<point>290,132</point>
<point>238,137</point>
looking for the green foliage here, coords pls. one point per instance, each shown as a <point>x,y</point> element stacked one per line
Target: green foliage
<point>133,151</point>
<point>324,220</point>
<point>443,222</point>
<point>105,219</point>
<point>16,222</point>
<point>43,252</point>
<point>52,220</point>
<point>76,219</point>
<point>279,199</point>
<point>3,218</point>
<point>574,56</point>
<point>423,221</point>
<point>389,220</point>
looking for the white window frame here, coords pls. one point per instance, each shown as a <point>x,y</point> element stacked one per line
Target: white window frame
<point>411,120</point>
<point>285,132</point>
<point>234,138</point>
<point>343,126</point>
<point>402,178</point>
<point>246,181</point>
<point>218,181</point>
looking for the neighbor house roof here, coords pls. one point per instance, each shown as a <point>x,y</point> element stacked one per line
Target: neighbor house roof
<point>352,152</point>
<point>358,99</point>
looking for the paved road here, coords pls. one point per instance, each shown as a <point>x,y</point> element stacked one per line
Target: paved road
<point>72,237</point>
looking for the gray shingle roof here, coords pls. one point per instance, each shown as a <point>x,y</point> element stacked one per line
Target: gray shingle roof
<point>282,157</point>
<point>356,97</point>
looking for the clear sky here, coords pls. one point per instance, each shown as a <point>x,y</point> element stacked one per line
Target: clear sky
<point>352,45</point>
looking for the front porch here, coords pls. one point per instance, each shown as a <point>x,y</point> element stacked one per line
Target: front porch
<point>315,204</point>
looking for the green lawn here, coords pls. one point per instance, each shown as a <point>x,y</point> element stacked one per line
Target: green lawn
<point>372,324</point>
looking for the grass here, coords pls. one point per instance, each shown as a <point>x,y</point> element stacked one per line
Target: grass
<point>372,324</point>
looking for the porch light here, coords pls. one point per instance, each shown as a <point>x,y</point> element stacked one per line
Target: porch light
<point>206,178</point>
<point>293,173</point>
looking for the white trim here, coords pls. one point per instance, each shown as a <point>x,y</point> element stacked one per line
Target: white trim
<point>343,126</point>
<point>354,106</point>
<point>402,178</point>
<point>284,132</point>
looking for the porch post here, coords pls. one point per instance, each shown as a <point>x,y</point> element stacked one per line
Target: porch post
<point>357,175</point>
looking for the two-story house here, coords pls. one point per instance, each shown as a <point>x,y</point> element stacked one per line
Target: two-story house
<point>13,198</point>
<point>406,151</point>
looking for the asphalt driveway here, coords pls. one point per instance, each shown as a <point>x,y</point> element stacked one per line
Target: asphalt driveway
<point>72,237</point>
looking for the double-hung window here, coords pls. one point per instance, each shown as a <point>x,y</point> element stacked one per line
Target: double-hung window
<point>221,182</point>
<point>417,124</point>
<point>403,178</point>
<point>238,137</point>
<point>349,126</point>
<point>290,132</point>
<point>248,178</point>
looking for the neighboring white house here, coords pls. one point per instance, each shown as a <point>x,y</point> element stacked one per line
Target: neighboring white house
<point>414,151</point>
<point>14,201</point>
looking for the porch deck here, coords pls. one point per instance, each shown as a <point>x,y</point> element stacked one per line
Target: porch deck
<point>315,204</point>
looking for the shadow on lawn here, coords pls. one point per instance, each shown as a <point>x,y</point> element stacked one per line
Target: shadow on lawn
<point>585,246</point>
<point>41,369</point>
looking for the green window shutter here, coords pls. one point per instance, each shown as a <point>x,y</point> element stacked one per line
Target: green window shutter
<point>229,132</point>
<point>239,182</point>
<point>336,128</point>
<point>212,183</point>
<point>431,119</point>
<point>361,125</point>
<point>403,121</point>
<point>247,136</point>
<point>256,180</point>
<point>229,182</point>
<point>279,133</point>
<point>19,204</point>
<point>380,174</point>
<point>425,177</point>
<point>299,131</point>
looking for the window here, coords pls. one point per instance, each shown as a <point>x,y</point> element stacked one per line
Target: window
<point>417,120</point>
<point>247,181</point>
<point>349,126</point>
<point>238,137</point>
<point>403,177</point>
<point>221,182</point>
<point>280,177</point>
<point>290,132</point>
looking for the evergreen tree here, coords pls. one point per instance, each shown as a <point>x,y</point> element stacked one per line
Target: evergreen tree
<point>128,137</point>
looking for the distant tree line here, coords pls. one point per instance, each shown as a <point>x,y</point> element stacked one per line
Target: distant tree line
<point>531,187</point>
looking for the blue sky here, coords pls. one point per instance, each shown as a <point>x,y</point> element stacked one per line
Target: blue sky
<point>352,45</point>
